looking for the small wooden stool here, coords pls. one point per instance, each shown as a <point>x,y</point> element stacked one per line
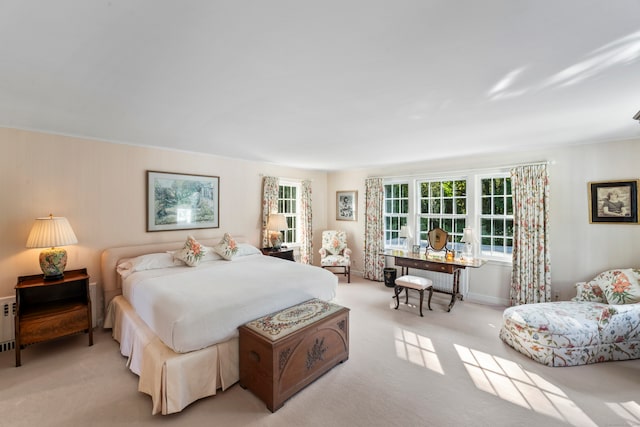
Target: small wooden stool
<point>413,282</point>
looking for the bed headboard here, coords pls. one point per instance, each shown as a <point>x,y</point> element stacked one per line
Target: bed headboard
<point>111,285</point>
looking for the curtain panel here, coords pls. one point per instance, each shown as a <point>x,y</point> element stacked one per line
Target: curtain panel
<point>306,233</point>
<point>269,204</point>
<point>374,230</point>
<point>530,277</point>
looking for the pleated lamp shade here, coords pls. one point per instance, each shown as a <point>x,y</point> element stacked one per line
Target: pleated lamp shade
<point>49,232</point>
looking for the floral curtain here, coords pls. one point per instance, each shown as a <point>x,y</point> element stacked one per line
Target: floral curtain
<point>530,278</point>
<point>306,235</point>
<point>269,204</point>
<point>374,230</point>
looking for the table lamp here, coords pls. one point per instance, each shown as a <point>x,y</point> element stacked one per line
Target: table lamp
<point>49,232</point>
<point>468,238</point>
<point>275,224</point>
<point>404,234</point>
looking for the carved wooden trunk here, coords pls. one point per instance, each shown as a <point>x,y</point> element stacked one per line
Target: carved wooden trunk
<point>282,353</point>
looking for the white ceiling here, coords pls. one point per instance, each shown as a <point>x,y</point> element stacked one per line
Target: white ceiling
<point>325,84</point>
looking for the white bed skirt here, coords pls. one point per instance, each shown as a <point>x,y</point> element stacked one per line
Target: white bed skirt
<point>173,380</point>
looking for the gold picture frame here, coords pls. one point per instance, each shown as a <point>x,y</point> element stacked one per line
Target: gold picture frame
<point>613,202</point>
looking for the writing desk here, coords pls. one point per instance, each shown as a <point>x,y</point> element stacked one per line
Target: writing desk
<point>408,260</point>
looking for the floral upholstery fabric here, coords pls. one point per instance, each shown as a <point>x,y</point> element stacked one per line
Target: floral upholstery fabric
<point>589,291</point>
<point>621,286</point>
<point>334,250</point>
<point>569,333</point>
<point>335,253</point>
<point>612,286</point>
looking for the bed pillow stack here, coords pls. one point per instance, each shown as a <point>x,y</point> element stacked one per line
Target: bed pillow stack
<point>619,286</point>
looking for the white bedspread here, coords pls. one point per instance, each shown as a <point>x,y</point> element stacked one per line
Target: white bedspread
<point>190,308</point>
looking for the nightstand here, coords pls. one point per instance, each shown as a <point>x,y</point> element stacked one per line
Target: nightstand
<point>283,253</point>
<point>49,309</point>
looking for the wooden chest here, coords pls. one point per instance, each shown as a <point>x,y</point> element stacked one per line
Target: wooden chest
<point>282,353</point>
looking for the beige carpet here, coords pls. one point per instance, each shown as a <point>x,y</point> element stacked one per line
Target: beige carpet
<point>445,369</point>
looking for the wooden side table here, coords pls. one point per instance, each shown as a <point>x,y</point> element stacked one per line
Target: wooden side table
<point>283,253</point>
<point>49,309</point>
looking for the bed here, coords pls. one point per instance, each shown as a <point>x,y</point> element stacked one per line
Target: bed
<point>177,325</point>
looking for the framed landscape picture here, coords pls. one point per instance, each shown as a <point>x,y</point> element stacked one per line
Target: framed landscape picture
<point>182,201</point>
<point>613,202</point>
<point>346,204</point>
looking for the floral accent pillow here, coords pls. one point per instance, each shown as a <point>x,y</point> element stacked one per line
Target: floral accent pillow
<point>622,287</point>
<point>590,291</point>
<point>227,247</point>
<point>191,253</point>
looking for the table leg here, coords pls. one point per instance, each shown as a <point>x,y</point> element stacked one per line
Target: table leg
<point>397,290</point>
<point>456,288</point>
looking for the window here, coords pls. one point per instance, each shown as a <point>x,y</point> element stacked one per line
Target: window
<point>483,202</point>
<point>288,204</point>
<point>443,204</point>
<point>396,211</point>
<point>496,216</point>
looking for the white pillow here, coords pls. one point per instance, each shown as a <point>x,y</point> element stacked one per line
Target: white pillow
<point>245,249</point>
<point>210,255</point>
<point>146,262</point>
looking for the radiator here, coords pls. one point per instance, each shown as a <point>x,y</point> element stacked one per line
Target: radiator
<point>444,281</point>
<point>7,325</point>
<point>8,313</point>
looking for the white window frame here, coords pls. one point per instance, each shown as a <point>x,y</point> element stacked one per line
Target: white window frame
<point>489,253</point>
<point>474,207</point>
<point>455,235</point>
<point>403,218</point>
<point>283,209</point>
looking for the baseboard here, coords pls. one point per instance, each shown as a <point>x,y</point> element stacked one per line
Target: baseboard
<point>488,300</point>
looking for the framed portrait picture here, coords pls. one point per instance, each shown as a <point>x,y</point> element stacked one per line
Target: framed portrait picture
<point>346,205</point>
<point>613,202</point>
<point>182,201</point>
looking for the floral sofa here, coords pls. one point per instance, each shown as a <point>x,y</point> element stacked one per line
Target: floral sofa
<point>602,323</point>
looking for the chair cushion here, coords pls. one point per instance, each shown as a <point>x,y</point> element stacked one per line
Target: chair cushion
<point>335,261</point>
<point>414,282</point>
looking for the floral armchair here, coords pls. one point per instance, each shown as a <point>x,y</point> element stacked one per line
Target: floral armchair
<point>335,253</point>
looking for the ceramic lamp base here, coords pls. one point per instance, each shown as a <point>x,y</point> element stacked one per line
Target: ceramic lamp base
<point>276,241</point>
<point>53,262</point>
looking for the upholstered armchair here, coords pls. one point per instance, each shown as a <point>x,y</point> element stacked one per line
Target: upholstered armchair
<point>335,253</point>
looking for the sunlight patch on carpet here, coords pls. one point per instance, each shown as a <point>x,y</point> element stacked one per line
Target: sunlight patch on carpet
<point>417,349</point>
<point>629,411</point>
<point>508,381</point>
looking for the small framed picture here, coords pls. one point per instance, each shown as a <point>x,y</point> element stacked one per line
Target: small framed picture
<point>346,205</point>
<point>613,202</point>
<point>415,249</point>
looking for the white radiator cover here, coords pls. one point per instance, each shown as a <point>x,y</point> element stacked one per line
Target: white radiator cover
<point>8,312</point>
<point>7,315</point>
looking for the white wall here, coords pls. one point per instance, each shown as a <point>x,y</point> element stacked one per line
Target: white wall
<point>579,250</point>
<point>101,189</point>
